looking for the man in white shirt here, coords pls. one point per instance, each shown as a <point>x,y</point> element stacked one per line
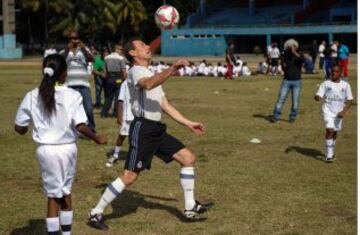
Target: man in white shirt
<point>148,135</point>
<point>337,97</point>
<point>274,54</point>
<point>321,54</point>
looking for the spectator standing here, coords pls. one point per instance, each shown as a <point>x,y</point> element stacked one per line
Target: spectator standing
<point>313,52</point>
<point>321,55</point>
<point>77,57</point>
<point>292,61</point>
<point>230,60</point>
<point>334,53</point>
<point>344,53</point>
<point>274,54</point>
<point>115,67</point>
<point>99,75</point>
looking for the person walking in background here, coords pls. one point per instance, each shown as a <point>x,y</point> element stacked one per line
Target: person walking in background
<point>57,115</point>
<point>99,76</point>
<point>274,54</point>
<point>115,67</point>
<point>343,53</point>
<point>230,60</point>
<point>334,53</point>
<point>337,102</point>
<point>313,53</point>
<point>292,62</point>
<point>77,57</point>
<point>321,55</point>
<point>328,61</point>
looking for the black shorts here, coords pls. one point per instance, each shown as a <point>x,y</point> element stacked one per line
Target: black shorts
<point>146,139</point>
<point>274,62</point>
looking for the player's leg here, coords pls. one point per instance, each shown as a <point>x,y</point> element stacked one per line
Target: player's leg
<point>115,156</point>
<point>66,214</point>
<point>52,218</point>
<point>186,160</point>
<point>283,93</point>
<point>295,97</point>
<point>329,144</point>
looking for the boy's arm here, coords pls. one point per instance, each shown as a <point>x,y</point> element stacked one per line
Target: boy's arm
<point>197,128</point>
<point>317,97</point>
<point>120,112</point>
<point>345,109</point>
<point>85,130</point>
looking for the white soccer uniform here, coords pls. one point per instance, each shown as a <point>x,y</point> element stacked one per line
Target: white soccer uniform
<point>55,135</point>
<point>274,53</point>
<point>127,115</point>
<point>335,95</point>
<point>140,105</point>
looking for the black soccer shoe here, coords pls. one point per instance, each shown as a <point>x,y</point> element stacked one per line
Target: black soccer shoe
<point>199,208</point>
<point>97,221</point>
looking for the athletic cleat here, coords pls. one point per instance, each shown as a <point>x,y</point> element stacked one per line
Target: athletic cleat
<point>330,159</point>
<point>97,221</point>
<point>198,209</point>
<point>111,161</point>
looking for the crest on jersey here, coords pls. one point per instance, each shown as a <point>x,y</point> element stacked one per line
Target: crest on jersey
<point>139,164</point>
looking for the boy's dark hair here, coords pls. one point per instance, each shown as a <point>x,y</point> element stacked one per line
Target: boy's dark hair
<point>47,86</point>
<point>128,47</point>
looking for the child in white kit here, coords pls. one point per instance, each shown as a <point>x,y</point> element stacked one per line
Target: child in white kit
<point>57,114</point>
<point>337,97</point>
<point>124,119</point>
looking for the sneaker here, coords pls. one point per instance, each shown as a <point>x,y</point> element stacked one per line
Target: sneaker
<point>111,161</point>
<point>97,221</point>
<point>273,120</point>
<point>198,209</point>
<point>330,159</point>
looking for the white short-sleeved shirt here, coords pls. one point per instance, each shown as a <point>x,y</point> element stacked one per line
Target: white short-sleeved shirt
<point>335,95</point>
<point>144,103</point>
<point>321,50</point>
<point>274,53</point>
<point>124,96</point>
<point>59,128</point>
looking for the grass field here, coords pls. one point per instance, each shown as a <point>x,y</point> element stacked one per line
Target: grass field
<point>280,186</point>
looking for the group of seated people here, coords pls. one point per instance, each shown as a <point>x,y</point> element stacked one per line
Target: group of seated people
<point>205,69</point>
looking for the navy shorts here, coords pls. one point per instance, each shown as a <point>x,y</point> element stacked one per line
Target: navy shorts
<point>146,139</point>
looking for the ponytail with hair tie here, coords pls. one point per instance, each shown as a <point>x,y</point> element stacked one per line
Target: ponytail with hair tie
<point>48,71</point>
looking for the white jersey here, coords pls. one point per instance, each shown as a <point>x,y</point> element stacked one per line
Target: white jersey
<point>124,96</point>
<point>335,94</point>
<point>321,50</point>
<point>245,71</point>
<point>144,103</point>
<point>60,127</point>
<point>274,53</point>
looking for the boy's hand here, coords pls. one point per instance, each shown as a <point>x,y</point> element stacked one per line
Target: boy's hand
<point>341,114</point>
<point>197,128</point>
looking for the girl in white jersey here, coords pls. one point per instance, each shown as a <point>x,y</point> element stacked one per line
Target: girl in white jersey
<point>337,97</point>
<point>56,113</point>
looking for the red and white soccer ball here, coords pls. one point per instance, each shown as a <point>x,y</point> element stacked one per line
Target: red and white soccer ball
<point>166,17</point>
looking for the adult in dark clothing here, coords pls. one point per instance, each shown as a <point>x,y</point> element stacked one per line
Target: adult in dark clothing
<point>328,61</point>
<point>230,60</point>
<point>314,52</point>
<point>115,73</point>
<point>291,61</point>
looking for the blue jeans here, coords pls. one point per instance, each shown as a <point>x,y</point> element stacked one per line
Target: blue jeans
<point>87,102</point>
<point>286,86</point>
<point>328,63</point>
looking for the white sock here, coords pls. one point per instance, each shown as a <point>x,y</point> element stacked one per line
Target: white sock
<point>117,151</point>
<point>66,218</point>
<point>329,148</point>
<point>53,224</point>
<point>111,192</point>
<point>187,180</point>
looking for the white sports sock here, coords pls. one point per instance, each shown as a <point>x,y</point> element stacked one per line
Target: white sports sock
<point>117,151</point>
<point>329,148</point>
<point>53,224</point>
<point>187,180</point>
<point>111,192</point>
<point>66,218</point>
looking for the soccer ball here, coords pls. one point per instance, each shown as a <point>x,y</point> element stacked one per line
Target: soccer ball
<point>166,17</point>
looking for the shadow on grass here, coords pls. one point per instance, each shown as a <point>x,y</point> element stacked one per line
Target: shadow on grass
<point>129,201</point>
<point>308,152</point>
<point>267,117</point>
<point>35,227</point>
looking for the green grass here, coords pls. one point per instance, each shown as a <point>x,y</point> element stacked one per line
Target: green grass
<point>280,186</point>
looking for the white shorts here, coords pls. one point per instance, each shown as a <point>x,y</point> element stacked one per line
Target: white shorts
<point>332,122</point>
<point>125,127</point>
<point>58,167</point>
